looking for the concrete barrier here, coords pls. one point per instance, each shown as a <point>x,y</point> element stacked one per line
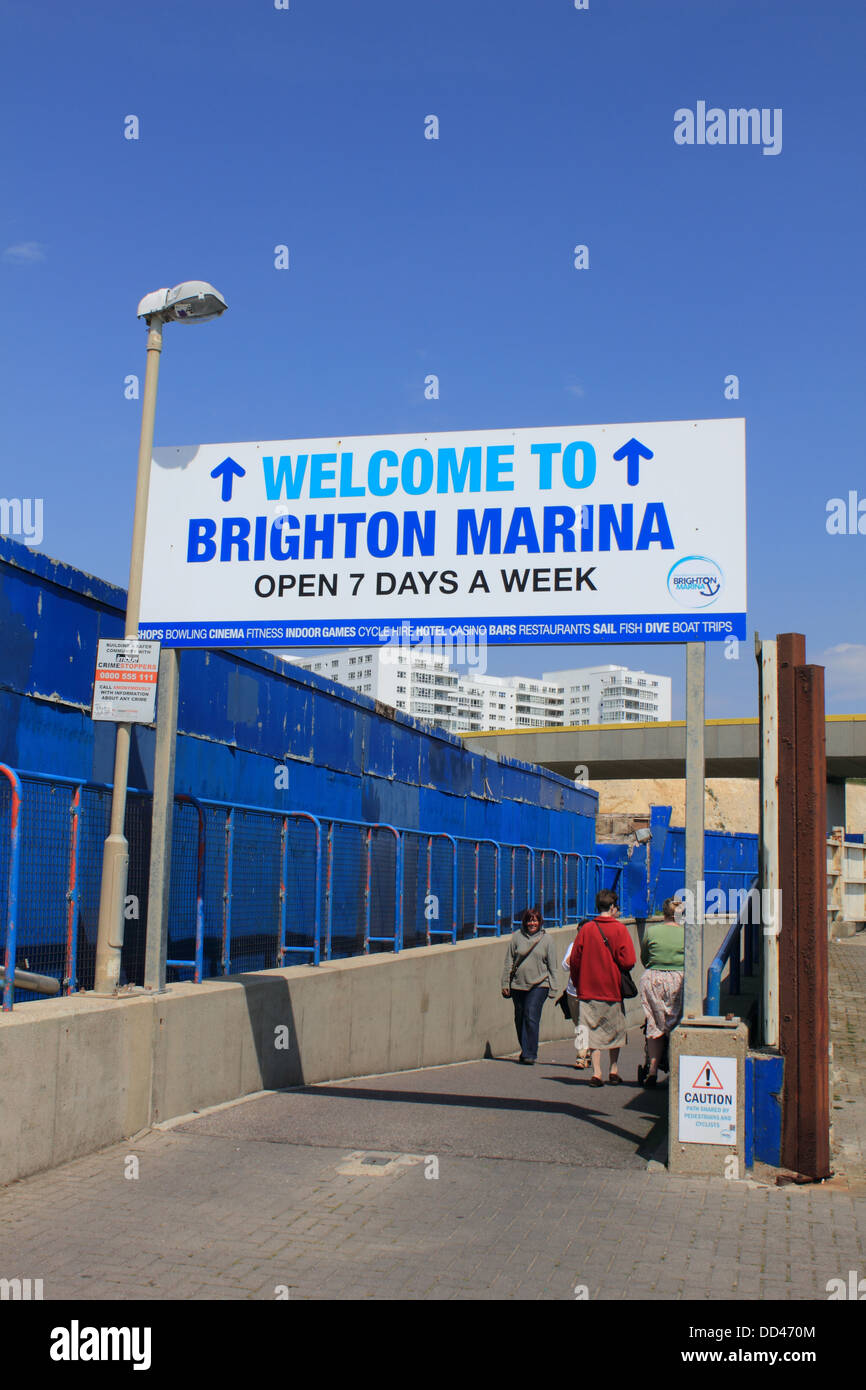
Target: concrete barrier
<point>81,1073</point>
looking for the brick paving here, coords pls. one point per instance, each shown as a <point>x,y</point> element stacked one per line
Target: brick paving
<point>543,1190</point>
<point>211,1217</point>
<point>848,1067</point>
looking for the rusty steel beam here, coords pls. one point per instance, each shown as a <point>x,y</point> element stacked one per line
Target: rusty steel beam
<point>791,652</point>
<point>812,1019</point>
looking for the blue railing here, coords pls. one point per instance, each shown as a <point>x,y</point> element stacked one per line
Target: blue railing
<point>254,888</point>
<point>731,950</point>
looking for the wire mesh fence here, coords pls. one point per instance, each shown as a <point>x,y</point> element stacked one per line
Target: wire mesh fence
<point>254,888</point>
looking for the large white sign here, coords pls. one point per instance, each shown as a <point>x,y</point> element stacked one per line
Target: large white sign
<point>708,1100</point>
<point>592,533</point>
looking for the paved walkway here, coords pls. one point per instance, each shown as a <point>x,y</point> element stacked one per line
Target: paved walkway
<point>482,1180</point>
<point>848,1069</point>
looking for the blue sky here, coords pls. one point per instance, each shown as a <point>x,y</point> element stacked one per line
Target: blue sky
<point>409,256</point>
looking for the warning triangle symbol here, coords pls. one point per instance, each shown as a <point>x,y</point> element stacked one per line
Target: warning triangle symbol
<point>707,1079</point>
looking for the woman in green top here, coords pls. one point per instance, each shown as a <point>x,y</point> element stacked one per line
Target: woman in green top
<point>662,952</point>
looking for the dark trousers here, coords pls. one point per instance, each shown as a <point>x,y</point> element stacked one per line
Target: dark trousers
<point>528,1004</point>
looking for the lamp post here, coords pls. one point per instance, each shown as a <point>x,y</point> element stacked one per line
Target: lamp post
<point>194,301</point>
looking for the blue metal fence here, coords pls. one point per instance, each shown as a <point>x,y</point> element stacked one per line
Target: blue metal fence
<point>742,940</point>
<point>253,888</point>
<point>644,875</point>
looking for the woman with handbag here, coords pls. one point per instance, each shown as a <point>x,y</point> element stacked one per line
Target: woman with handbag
<point>601,958</point>
<point>661,988</point>
<point>528,978</point>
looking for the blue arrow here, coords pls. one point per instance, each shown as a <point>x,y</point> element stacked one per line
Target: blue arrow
<point>634,451</point>
<point>227,470</point>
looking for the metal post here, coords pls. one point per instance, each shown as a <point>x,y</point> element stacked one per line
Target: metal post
<point>115,856</point>
<point>70,982</point>
<point>429,882</point>
<point>693,986</point>
<point>284,878</point>
<point>813,1018</point>
<point>367,877</point>
<point>769,846</point>
<point>227,891</point>
<point>398,887</point>
<point>8,980</point>
<point>159,882</point>
<point>329,890</point>
<point>790,652</point>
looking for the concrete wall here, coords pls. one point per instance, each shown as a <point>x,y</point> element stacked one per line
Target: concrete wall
<point>81,1073</point>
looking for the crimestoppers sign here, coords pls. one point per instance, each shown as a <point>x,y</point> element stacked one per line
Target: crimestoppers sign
<point>590,533</point>
<point>124,685</point>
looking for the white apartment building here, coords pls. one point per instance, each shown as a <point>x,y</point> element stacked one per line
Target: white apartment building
<point>422,683</point>
<point>613,695</point>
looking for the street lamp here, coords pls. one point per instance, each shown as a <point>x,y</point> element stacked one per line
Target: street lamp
<point>194,301</point>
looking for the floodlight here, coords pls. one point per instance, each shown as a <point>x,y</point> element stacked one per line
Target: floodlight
<point>193,301</point>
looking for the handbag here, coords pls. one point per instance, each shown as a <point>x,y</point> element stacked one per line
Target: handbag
<point>627,986</point>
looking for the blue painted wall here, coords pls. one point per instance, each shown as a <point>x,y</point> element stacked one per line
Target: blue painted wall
<point>241,715</point>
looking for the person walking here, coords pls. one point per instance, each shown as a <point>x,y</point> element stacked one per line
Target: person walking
<point>528,978</point>
<point>581,1061</point>
<point>663,954</point>
<point>602,948</point>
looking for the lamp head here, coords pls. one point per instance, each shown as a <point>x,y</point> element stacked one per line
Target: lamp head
<point>193,301</point>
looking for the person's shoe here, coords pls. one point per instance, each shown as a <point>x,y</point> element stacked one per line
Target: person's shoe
<point>528,1061</point>
<point>614,1079</point>
<point>596,1081</point>
<point>650,1081</point>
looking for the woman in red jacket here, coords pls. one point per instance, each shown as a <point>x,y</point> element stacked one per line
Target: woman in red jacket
<point>602,946</point>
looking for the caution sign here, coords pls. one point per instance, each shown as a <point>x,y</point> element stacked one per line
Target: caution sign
<point>708,1100</point>
<point>124,686</point>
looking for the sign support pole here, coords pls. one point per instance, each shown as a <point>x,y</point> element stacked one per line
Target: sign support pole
<point>159,882</point>
<point>693,985</point>
<point>701,1045</point>
<point>115,855</point>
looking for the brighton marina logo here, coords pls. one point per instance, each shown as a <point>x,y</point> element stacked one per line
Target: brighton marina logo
<point>695,581</point>
<point>736,126</point>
